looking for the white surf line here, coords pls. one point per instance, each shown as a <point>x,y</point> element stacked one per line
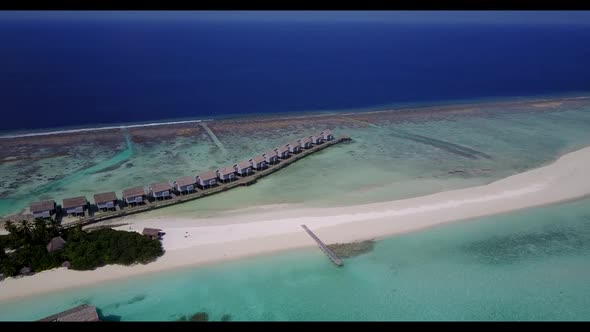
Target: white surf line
<point>214,138</point>
<point>103,128</point>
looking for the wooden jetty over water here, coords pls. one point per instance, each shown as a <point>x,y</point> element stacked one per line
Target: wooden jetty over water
<point>324,247</point>
<point>150,203</point>
<point>81,313</point>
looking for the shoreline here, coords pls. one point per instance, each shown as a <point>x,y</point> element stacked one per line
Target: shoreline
<point>192,242</point>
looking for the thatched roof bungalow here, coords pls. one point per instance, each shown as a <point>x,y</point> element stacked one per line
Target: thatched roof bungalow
<point>75,205</point>
<point>25,271</point>
<point>271,156</point>
<point>316,138</point>
<point>305,142</point>
<point>294,147</point>
<point>207,179</point>
<point>43,209</point>
<point>106,201</point>
<point>153,233</point>
<point>258,162</point>
<point>283,151</point>
<point>327,135</point>
<point>186,184</point>
<point>134,195</point>
<point>161,190</point>
<point>243,168</point>
<point>226,173</point>
<point>57,243</point>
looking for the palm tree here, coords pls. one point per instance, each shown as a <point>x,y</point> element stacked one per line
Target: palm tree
<point>10,227</point>
<point>40,234</point>
<point>2,253</point>
<point>26,231</point>
<point>19,235</point>
<point>54,225</point>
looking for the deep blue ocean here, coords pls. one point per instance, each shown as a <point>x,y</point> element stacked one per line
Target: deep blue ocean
<point>74,72</point>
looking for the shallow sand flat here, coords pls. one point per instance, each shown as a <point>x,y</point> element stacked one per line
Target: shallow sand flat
<point>193,241</point>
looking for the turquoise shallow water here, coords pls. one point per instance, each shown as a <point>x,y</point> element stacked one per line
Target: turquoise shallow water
<point>526,265</point>
<point>389,160</point>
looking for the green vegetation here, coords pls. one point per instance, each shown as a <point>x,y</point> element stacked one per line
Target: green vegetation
<point>26,246</point>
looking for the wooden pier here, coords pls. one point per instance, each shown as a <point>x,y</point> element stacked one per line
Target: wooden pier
<point>199,193</point>
<point>324,247</point>
<point>81,313</point>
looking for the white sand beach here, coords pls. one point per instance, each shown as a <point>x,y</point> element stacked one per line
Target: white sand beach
<point>190,242</point>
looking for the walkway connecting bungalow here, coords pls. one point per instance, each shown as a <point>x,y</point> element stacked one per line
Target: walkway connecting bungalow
<point>138,199</point>
<point>81,313</point>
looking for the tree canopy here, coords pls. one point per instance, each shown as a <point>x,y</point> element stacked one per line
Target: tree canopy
<point>26,246</point>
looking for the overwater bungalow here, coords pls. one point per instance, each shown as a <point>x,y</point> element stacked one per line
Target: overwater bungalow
<point>106,201</point>
<point>226,174</point>
<point>207,179</point>
<point>81,313</point>
<point>134,195</point>
<point>161,191</point>
<point>316,139</point>
<point>153,233</point>
<point>271,157</point>
<point>258,162</point>
<point>243,168</point>
<point>75,206</point>
<point>294,147</point>
<point>305,142</point>
<point>283,151</point>
<point>186,184</point>
<point>327,135</point>
<point>43,209</point>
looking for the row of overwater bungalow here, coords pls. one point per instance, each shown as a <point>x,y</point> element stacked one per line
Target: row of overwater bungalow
<point>77,206</point>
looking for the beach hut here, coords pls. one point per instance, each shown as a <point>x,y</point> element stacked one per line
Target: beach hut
<point>161,191</point>
<point>258,162</point>
<point>327,135</point>
<point>207,179</point>
<point>25,271</point>
<point>134,195</point>
<point>57,243</point>
<point>283,151</point>
<point>271,157</point>
<point>316,139</point>
<point>81,313</point>
<point>106,201</point>
<point>226,174</point>
<point>43,209</point>
<point>75,206</point>
<point>243,168</point>
<point>305,142</point>
<point>294,147</point>
<point>185,184</point>
<point>153,233</point>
